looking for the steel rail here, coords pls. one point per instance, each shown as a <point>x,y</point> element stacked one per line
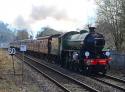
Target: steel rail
<point>45,75</point>
<point>110,84</point>
<point>74,80</point>
<point>115,78</point>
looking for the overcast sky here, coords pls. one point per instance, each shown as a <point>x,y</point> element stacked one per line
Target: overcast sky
<point>58,14</point>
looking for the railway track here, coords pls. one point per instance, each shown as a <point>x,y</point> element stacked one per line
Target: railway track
<point>111,81</point>
<point>115,78</point>
<point>65,82</point>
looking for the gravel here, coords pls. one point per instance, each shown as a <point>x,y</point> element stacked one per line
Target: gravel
<point>89,81</point>
<point>32,79</point>
<point>117,73</point>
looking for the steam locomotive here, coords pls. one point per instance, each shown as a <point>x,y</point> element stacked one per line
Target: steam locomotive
<point>79,51</point>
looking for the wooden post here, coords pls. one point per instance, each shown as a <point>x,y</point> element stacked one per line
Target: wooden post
<point>22,49</point>
<point>22,67</point>
<point>13,65</point>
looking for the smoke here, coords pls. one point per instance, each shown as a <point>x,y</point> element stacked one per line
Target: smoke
<point>42,12</point>
<point>21,23</point>
<point>42,16</point>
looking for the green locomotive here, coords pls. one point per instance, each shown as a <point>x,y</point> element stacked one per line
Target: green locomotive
<point>82,51</point>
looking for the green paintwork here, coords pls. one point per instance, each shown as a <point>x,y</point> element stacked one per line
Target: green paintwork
<point>74,41</point>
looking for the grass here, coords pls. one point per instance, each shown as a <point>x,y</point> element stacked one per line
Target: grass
<point>8,81</point>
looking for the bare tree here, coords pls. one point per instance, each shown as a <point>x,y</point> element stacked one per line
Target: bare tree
<point>6,34</point>
<point>22,34</point>
<point>110,12</point>
<point>46,31</point>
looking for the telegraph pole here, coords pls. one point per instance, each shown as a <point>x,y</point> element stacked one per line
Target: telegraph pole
<point>22,49</point>
<point>12,52</point>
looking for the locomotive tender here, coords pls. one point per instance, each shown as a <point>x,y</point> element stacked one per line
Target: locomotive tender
<point>82,51</point>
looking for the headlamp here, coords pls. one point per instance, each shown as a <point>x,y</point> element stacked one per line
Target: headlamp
<point>87,53</point>
<point>107,53</point>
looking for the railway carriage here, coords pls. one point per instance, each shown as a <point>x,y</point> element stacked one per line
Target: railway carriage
<point>44,44</point>
<point>35,47</point>
<point>30,45</point>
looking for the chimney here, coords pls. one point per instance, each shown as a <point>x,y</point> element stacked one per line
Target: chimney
<point>92,29</point>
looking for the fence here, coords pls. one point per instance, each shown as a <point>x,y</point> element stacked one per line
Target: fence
<point>118,60</point>
<point>4,45</point>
